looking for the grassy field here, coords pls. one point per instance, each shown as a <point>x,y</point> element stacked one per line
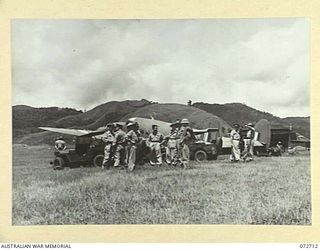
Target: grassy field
<point>270,190</point>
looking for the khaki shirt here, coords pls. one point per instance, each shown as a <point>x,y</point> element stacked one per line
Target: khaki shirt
<point>158,137</point>
<point>120,136</point>
<point>132,137</point>
<point>250,133</point>
<point>235,135</point>
<point>172,138</point>
<point>184,134</point>
<point>108,137</point>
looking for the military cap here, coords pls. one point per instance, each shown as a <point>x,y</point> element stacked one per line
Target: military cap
<point>250,124</point>
<point>184,121</point>
<point>60,138</point>
<point>154,126</point>
<point>236,125</point>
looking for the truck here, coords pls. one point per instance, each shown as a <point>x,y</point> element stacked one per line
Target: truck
<point>88,151</point>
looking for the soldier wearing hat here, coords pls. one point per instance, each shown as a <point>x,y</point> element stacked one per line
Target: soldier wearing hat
<point>154,140</point>
<point>60,144</point>
<point>185,135</point>
<point>235,141</point>
<point>248,143</point>
<point>120,146</point>
<point>109,139</point>
<point>131,148</point>
<point>171,143</point>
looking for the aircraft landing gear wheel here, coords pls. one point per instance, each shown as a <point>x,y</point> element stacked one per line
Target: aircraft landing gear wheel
<point>58,163</point>
<point>97,161</point>
<point>200,156</point>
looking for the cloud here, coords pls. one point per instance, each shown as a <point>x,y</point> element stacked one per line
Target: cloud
<point>83,63</point>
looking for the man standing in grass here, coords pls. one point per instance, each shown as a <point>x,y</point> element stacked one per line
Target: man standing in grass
<point>186,137</point>
<point>235,141</point>
<point>248,143</point>
<point>132,140</point>
<point>154,141</point>
<point>120,144</point>
<point>171,148</point>
<point>109,139</point>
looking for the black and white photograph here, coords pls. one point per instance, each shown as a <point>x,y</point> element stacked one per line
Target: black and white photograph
<point>161,121</point>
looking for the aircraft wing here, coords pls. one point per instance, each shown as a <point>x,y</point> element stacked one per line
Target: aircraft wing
<point>94,133</point>
<point>68,131</point>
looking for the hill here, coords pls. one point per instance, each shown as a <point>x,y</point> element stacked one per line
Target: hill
<point>242,114</point>
<point>170,112</point>
<point>93,119</point>
<point>121,111</point>
<point>101,115</point>
<point>299,124</point>
<point>201,115</point>
<point>26,119</point>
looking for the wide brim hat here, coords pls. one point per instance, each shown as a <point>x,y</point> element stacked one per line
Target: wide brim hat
<point>185,121</point>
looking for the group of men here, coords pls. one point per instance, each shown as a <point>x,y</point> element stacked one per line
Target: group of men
<point>176,144</point>
<point>121,147</point>
<point>248,143</point>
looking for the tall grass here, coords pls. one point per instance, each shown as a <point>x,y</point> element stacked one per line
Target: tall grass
<point>266,191</point>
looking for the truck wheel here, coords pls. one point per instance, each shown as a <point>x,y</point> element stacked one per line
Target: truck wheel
<point>58,163</point>
<point>97,161</point>
<point>200,156</point>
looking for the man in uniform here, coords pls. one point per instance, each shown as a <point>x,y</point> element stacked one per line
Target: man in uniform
<point>120,144</point>
<point>154,141</point>
<point>185,135</point>
<point>172,147</point>
<point>109,139</point>
<point>248,143</point>
<point>132,140</point>
<point>235,141</point>
<point>60,144</point>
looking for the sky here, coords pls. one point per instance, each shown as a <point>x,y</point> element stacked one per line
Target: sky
<point>80,64</point>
